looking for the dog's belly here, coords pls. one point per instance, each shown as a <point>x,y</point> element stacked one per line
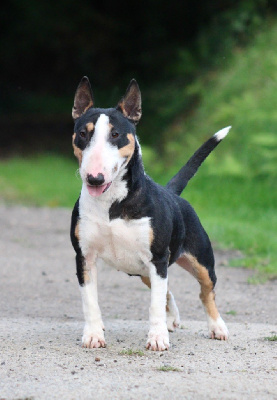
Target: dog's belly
<point>122,244</point>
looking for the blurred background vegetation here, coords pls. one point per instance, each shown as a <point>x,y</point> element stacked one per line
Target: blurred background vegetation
<point>201,66</point>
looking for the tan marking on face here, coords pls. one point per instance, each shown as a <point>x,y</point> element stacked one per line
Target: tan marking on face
<point>128,150</point>
<point>90,126</point>
<point>77,152</point>
<point>207,295</point>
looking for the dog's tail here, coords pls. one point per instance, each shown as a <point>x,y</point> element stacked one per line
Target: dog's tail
<point>178,183</point>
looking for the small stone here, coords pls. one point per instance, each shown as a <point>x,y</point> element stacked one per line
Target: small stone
<point>97,359</point>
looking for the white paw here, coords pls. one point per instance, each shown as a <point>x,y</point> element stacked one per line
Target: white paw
<point>158,340</point>
<point>93,338</point>
<point>218,329</point>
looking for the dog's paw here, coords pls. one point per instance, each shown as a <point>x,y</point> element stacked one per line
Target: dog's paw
<point>158,341</point>
<point>218,329</point>
<point>93,338</point>
<point>93,341</point>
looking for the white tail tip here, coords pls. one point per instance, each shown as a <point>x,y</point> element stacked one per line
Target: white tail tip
<point>222,133</point>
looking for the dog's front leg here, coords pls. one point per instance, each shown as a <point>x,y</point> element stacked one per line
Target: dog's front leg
<point>93,336</point>
<point>158,338</point>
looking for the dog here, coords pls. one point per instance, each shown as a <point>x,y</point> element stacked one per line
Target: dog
<point>125,219</point>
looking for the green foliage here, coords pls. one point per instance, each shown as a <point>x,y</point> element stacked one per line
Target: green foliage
<point>165,100</point>
<point>46,180</point>
<point>235,192</point>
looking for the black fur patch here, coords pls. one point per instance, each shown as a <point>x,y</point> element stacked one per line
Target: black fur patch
<point>120,124</point>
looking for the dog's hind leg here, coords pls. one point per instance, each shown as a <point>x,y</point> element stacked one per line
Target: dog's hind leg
<point>172,312</point>
<point>217,327</point>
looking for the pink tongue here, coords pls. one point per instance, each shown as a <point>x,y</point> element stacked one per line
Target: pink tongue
<point>96,190</point>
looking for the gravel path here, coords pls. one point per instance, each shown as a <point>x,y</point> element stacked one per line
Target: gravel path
<point>41,326</point>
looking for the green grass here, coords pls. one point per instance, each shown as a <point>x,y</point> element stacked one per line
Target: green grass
<point>131,352</point>
<point>168,368</point>
<point>231,312</point>
<point>47,180</point>
<point>271,338</point>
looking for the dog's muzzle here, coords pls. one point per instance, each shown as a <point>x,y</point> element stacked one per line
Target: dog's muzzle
<point>96,185</point>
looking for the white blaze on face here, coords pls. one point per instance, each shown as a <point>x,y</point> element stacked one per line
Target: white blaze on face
<point>101,157</point>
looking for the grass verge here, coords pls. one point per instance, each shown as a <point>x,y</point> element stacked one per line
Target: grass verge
<point>46,180</point>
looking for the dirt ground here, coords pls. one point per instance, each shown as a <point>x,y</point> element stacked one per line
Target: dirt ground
<point>41,326</point>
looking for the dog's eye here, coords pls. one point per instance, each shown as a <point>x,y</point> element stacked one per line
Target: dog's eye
<point>114,134</point>
<point>83,134</point>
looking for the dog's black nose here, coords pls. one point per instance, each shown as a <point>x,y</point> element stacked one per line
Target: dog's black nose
<point>95,180</point>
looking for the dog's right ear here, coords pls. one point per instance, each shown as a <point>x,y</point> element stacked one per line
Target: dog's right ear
<point>130,104</point>
<point>83,99</point>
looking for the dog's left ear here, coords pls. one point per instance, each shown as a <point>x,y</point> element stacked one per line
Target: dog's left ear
<point>83,99</point>
<point>130,104</point>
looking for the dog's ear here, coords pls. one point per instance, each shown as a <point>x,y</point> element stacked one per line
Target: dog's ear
<point>130,104</point>
<point>83,99</point>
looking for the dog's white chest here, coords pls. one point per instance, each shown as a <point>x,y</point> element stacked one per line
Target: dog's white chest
<point>122,244</point>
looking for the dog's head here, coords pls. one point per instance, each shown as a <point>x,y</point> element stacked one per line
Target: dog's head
<point>104,139</point>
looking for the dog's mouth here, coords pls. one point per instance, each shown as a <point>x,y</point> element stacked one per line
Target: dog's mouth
<point>96,190</point>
